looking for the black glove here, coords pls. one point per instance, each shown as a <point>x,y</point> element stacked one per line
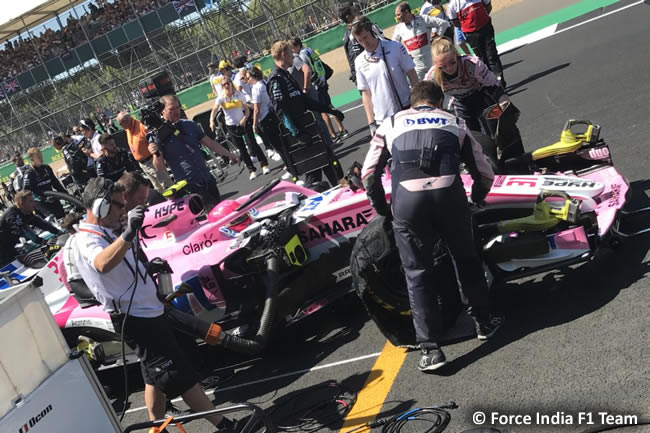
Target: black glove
<point>479,192</point>
<point>135,218</point>
<point>373,129</point>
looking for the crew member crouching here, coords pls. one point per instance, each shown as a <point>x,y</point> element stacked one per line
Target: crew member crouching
<point>428,197</point>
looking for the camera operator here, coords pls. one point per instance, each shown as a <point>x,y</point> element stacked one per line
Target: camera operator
<point>87,128</point>
<point>40,178</point>
<point>18,221</point>
<point>77,158</point>
<point>116,275</point>
<point>136,137</point>
<point>182,151</point>
<point>114,161</point>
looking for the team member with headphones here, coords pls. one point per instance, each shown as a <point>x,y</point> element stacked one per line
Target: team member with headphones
<point>117,277</point>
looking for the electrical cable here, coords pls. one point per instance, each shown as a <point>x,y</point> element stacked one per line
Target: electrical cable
<point>434,415</point>
<point>312,414</point>
<point>128,310</point>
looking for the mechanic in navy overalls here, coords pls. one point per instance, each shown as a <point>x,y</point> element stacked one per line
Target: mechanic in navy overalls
<point>427,146</point>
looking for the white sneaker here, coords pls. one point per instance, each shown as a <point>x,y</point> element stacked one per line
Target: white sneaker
<point>276,157</point>
<point>265,169</point>
<point>286,175</point>
<point>252,176</point>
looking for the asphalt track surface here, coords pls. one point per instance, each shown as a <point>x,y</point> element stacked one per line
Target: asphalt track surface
<point>573,342</point>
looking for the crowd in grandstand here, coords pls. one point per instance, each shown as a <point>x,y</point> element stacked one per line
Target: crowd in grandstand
<point>22,54</point>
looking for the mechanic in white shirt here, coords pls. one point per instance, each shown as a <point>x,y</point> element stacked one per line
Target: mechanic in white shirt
<point>383,93</point>
<point>108,265</point>
<point>416,33</point>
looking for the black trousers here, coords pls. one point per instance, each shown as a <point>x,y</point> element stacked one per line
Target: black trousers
<point>417,216</point>
<point>237,134</point>
<point>270,128</point>
<point>209,192</point>
<point>482,42</point>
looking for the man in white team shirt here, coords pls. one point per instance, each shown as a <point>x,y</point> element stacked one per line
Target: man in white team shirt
<point>416,32</point>
<point>108,265</point>
<point>383,93</point>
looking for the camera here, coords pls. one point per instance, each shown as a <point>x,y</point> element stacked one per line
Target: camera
<point>159,129</point>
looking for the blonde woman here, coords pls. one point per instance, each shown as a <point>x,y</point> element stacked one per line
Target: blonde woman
<point>471,87</point>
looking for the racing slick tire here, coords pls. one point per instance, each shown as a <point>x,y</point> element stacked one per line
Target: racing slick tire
<point>378,279</point>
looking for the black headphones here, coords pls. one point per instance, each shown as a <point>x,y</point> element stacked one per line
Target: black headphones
<point>101,205</point>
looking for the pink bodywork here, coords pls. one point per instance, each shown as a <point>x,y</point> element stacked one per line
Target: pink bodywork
<point>324,220</point>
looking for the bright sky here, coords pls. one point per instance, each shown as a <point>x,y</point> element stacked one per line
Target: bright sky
<point>12,8</point>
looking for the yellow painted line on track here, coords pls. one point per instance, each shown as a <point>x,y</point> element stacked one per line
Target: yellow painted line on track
<point>378,384</point>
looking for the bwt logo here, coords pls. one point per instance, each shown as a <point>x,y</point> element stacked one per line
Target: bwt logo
<point>425,121</point>
<point>35,420</point>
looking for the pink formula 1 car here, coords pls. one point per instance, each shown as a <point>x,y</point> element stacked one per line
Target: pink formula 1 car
<point>282,253</point>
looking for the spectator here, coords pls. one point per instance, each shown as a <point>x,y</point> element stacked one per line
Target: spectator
<point>473,18</point>
<point>136,137</point>
<point>87,129</point>
<point>381,74</point>
<point>114,161</point>
<point>416,33</point>
<point>348,13</point>
<point>19,221</point>
<point>183,153</point>
<point>39,179</point>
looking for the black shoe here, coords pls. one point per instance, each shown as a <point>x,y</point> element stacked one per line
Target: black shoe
<point>485,330</point>
<point>432,359</point>
<point>173,411</point>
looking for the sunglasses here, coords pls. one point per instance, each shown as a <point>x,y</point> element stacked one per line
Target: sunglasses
<point>450,63</point>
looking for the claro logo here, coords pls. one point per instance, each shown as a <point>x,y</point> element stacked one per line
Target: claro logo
<point>195,247</point>
<point>35,420</point>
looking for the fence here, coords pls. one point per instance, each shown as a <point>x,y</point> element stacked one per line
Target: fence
<point>107,83</point>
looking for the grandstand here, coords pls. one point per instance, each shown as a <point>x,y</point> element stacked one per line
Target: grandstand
<point>69,59</point>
